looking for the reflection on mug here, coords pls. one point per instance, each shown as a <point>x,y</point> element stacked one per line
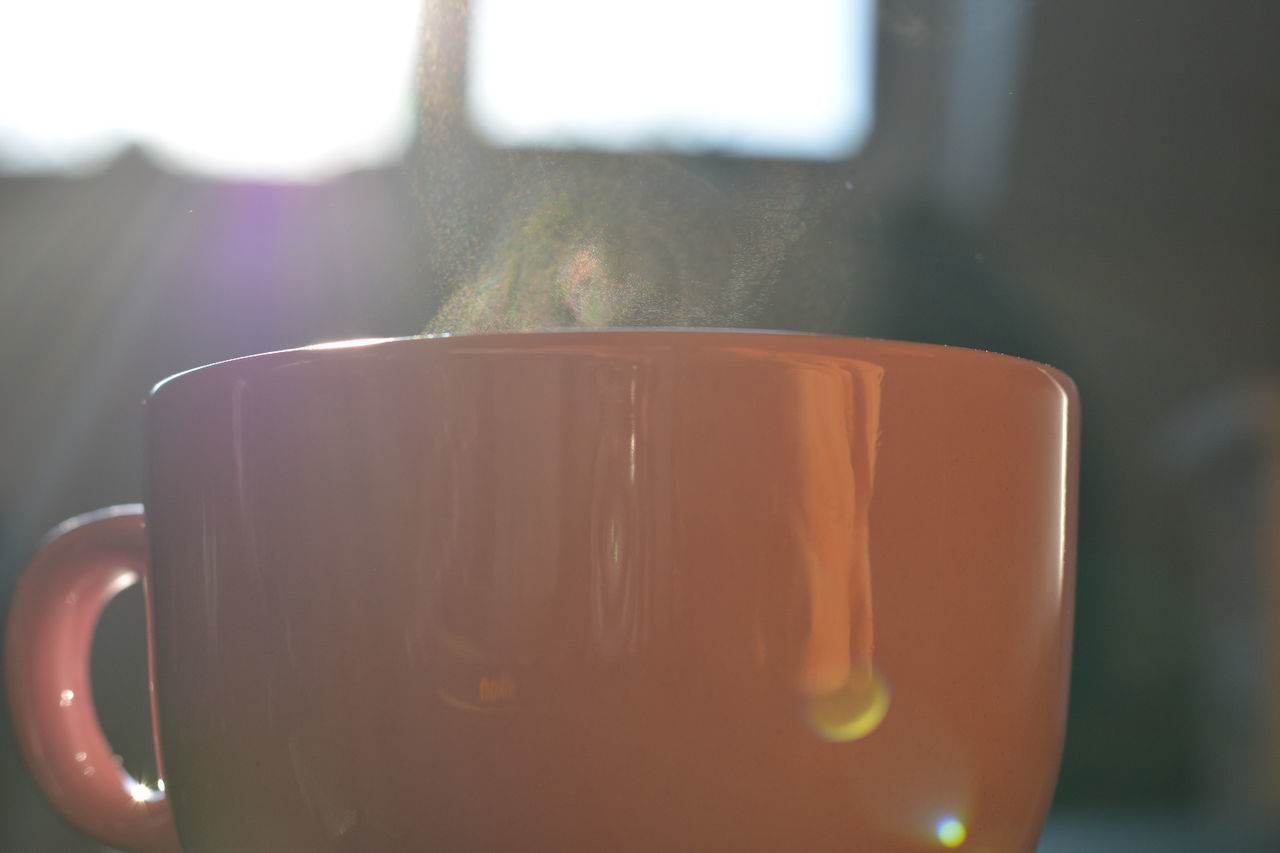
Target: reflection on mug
<point>837,413</point>
<point>620,571</point>
<point>468,678</point>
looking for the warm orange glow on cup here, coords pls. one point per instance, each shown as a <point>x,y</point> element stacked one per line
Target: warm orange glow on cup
<point>596,590</point>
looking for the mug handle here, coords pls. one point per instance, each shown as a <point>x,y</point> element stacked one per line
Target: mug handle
<point>81,565</point>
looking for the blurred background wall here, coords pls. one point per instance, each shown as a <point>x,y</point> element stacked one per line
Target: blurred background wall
<point>1087,183</point>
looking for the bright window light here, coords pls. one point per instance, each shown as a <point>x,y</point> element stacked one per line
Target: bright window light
<point>281,89</point>
<point>758,79</point>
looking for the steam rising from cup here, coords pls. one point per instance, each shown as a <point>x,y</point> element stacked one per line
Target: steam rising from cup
<point>540,237</point>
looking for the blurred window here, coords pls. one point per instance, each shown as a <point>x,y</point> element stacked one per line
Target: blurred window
<point>286,89</point>
<point>755,79</point>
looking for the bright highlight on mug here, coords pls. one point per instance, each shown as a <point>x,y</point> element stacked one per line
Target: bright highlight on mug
<point>142,793</point>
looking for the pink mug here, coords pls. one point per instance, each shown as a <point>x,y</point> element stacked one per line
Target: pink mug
<point>593,590</point>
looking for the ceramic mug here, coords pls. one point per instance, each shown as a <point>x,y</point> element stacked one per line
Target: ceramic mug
<point>594,590</point>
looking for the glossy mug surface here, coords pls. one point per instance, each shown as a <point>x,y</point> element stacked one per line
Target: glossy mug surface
<point>623,590</point>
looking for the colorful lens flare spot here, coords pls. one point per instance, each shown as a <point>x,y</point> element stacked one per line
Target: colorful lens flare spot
<point>950,832</point>
<point>853,710</point>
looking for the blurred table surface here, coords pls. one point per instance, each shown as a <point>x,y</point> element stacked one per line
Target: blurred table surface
<point>1166,832</point>
<point>1078,832</point>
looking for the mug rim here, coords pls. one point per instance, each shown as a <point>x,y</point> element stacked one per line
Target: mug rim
<point>820,343</point>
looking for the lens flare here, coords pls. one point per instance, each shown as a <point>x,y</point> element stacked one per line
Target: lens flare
<point>852,711</point>
<point>951,832</point>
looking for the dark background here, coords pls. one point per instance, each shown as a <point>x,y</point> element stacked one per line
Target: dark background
<point>1102,193</point>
